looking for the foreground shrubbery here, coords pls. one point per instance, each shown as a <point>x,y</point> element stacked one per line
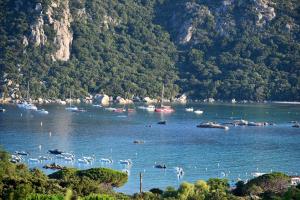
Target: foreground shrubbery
<point>18,182</point>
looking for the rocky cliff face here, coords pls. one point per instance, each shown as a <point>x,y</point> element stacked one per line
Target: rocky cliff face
<point>38,36</point>
<point>191,16</point>
<point>62,26</point>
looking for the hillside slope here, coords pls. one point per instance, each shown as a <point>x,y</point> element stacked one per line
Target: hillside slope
<point>226,49</point>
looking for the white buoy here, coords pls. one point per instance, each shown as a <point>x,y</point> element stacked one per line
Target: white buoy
<point>21,114</point>
<point>206,169</point>
<point>41,123</point>
<point>50,134</point>
<point>40,147</point>
<point>218,165</point>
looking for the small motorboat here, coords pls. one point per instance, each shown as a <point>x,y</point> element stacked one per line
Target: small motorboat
<point>130,110</point>
<point>55,151</point>
<point>16,158</point>
<point>79,110</point>
<point>296,125</point>
<point>110,109</point>
<point>125,162</point>
<point>97,105</point>
<point>83,161</point>
<point>256,124</point>
<point>89,158</point>
<point>43,158</point>
<point>212,125</point>
<point>72,108</point>
<point>138,142</point>
<point>198,112</point>
<point>2,109</point>
<point>150,108</point>
<point>189,109</point>
<point>162,122</point>
<point>42,111</point>
<point>59,156</point>
<point>69,159</point>
<point>33,160</point>
<point>65,154</point>
<point>161,166</point>
<point>179,171</point>
<point>22,153</point>
<point>106,160</point>
<point>240,122</point>
<point>119,110</point>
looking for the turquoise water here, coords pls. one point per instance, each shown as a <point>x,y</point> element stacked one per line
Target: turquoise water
<point>202,153</point>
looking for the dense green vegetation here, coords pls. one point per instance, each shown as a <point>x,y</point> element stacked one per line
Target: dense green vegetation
<point>131,47</point>
<point>18,182</point>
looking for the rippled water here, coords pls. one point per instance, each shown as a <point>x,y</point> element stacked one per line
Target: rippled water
<point>202,153</point>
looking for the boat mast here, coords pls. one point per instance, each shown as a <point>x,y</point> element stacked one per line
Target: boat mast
<point>27,98</point>
<point>162,95</point>
<point>70,99</point>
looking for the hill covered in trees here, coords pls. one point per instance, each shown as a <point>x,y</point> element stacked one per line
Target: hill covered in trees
<point>221,49</point>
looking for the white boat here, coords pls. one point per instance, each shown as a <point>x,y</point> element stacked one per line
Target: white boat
<point>88,158</point>
<point>33,160</point>
<point>83,161</point>
<point>142,107</point>
<point>97,105</point>
<point>110,109</point>
<point>189,109</point>
<point>68,158</point>
<point>59,156</point>
<point>106,160</point>
<point>150,108</point>
<point>198,112</point>
<point>41,158</point>
<point>68,155</point>
<point>71,107</point>
<point>125,162</point>
<point>43,111</point>
<point>27,105</point>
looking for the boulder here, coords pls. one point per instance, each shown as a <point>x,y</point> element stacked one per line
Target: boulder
<point>148,100</point>
<point>102,98</point>
<point>182,99</point>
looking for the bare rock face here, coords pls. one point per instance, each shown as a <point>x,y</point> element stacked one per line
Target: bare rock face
<point>64,36</point>
<point>265,11</point>
<point>38,36</point>
<point>187,29</point>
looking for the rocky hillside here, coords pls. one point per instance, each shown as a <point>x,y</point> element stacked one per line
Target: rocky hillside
<point>221,49</point>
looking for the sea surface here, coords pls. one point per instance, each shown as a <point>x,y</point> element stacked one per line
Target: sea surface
<point>202,153</point>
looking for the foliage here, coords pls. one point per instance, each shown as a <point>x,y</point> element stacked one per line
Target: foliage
<point>100,175</point>
<point>131,47</point>
<point>268,183</point>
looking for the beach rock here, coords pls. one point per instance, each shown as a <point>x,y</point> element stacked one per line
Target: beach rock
<point>59,101</point>
<point>148,100</point>
<point>40,100</point>
<point>102,98</point>
<point>182,99</point>
<point>123,101</point>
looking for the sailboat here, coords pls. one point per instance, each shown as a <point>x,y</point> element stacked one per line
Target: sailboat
<point>71,107</point>
<point>162,108</point>
<point>27,105</point>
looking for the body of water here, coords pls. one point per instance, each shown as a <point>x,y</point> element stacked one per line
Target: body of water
<point>202,153</point>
